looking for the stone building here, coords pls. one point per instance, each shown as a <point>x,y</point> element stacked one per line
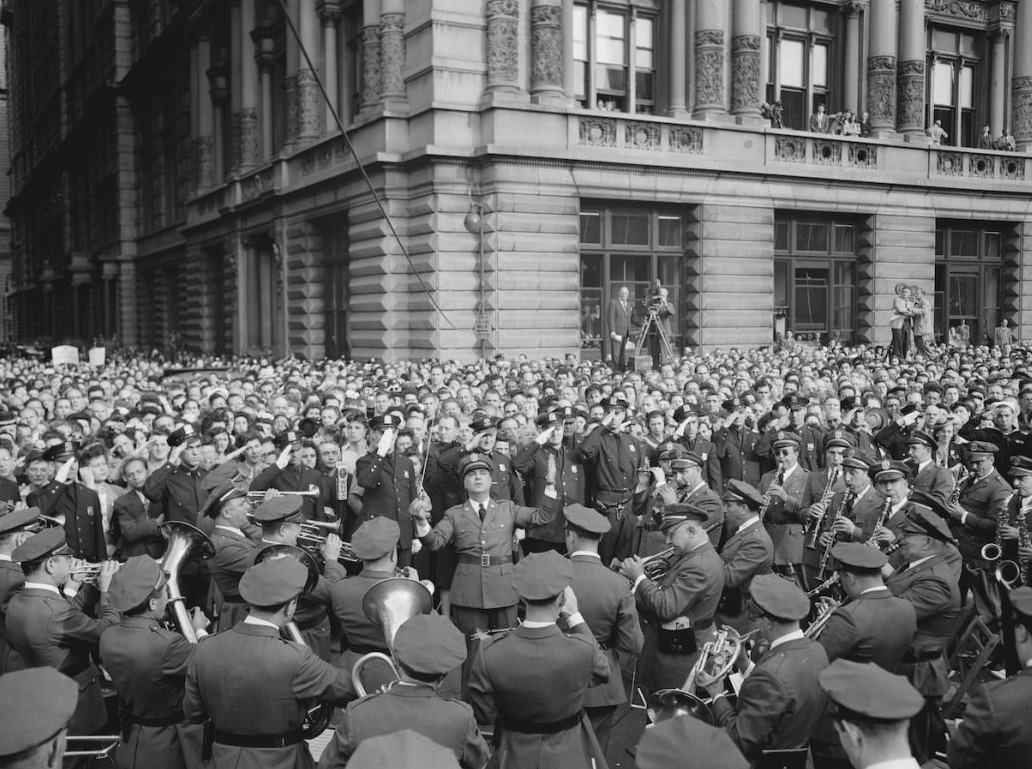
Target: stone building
<point>177,168</point>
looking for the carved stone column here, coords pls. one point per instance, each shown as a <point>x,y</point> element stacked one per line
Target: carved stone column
<point>202,144</point>
<point>392,51</point>
<point>745,61</point>
<point>997,88</point>
<point>546,51</point>
<point>678,60</point>
<point>329,15</point>
<point>218,80</point>
<point>851,90</point>
<point>245,92</point>
<point>710,41</point>
<point>265,57</point>
<point>911,105</point>
<point>372,80</point>
<point>881,68</point>
<point>1021,83</point>
<point>309,101</point>
<point>503,53</point>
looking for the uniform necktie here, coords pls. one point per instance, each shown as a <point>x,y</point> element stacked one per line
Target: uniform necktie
<point>482,512</point>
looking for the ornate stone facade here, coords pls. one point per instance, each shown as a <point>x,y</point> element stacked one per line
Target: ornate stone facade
<point>881,91</point>
<point>546,49</point>
<point>309,105</point>
<point>745,73</point>
<point>911,107</point>
<point>372,79</point>
<point>1022,101</point>
<point>204,163</point>
<point>709,71</point>
<point>503,53</point>
<point>392,54</point>
<point>246,141</point>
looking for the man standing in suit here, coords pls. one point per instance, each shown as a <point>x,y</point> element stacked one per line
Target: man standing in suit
<point>234,553</point>
<point>735,444</point>
<point>861,505</point>
<point>618,323</point>
<point>390,482</point>
<point>609,610</point>
<point>820,123</point>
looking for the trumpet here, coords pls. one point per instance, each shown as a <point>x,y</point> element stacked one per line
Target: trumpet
<point>311,541</point>
<point>85,572</point>
<point>258,496</point>
<point>817,626</point>
<point>654,566</point>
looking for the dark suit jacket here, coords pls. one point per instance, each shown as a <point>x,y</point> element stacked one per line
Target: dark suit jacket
<point>80,506</point>
<point>736,450</point>
<point>707,452</point>
<point>745,554</point>
<point>134,530</point>
<point>533,462</point>
<point>984,498</point>
<point>9,491</point>
<point>876,627</point>
<point>618,319</point>
<point>296,478</point>
<point>995,732</point>
<point>390,484</point>
<point>935,481</point>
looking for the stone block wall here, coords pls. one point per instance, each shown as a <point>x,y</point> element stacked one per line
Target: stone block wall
<point>903,250</point>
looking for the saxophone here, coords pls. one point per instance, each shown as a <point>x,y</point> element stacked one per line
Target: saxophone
<point>816,524</point>
<point>768,498</point>
<point>993,551</point>
<point>1025,541</point>
<point>962,476</point>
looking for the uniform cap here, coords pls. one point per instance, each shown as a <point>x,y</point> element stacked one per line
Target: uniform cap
<point>286,508</point>
<point>547,420</point>
<point>732,404</point>
<point>431,644</point>
<point>664,745</point>
<point>889,470</point>
<point>856,462</point>
<point>670,450</point>
<point>692,458</point>
<point>740,491</point>
<point>375,538</point>
<point>857,555</point>
<point>184,435</point>
<point>981,447</point>
<point>684,412</point>
<point>541,576</point>
<point>18,519</point>
<point>1019,466</point>
<point>473,462</point>
<point>921,438</point>
<point>402,750</point>
<point>869,691</point>
<point>134,582</point>
<point>617,400</point>
<point>676,514</point>
<point>60,451</point>
<point>219,495</point>
<point>482,424</point>
<point>382,422</point>
<point>921,520</point>
<point>778,597</point>
<point>682,462</point>
<point>793,402</point>
<point>586,519</point>
<point>46,700</point>
<point>47,543</point>
<point>839,439</point>
<point>786,440</point>
<point>273,582</point>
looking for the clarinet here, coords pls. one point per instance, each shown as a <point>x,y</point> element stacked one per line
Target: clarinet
<point>826,553</point>
<point>814,532</point>
<point>883,516</point>
<point>768,498</point>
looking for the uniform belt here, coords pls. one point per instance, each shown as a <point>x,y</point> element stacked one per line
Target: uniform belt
<point>258,740</point>
<point>528,727</point>
<point>309,624</point>
<point>613,491</point>
<point>485,559</point>
<point>911,658</point>
<point>232,599</point>
<point>362,649</point>
<point>172,720</point>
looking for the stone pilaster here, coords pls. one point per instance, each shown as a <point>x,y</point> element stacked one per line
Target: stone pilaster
<point>709,73</point>
<point>245,138</point>
<point>911,106</point>
<point>329,16</point>
<point>372,79</point>
<point>503,54</point>
<point>309,117</point>
<point>392,55</point>
<point>305,289</point>
<point>203,162</point>
<point>881,91</point>
<point>851,89</point>
<point>678,61</point>
<point>745,75</point>
<point>546,51</point>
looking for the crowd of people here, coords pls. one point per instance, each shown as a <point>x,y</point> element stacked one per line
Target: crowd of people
<point>588,532</point>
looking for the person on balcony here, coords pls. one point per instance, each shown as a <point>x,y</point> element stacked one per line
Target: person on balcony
<point>937,133</point>
<point>986,141</point>
<point>820,121</point>
<point>1006,142</point>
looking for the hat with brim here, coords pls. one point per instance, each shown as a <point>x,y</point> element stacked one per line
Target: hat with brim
<point>779,598</point>
<point>586,519</point>
<point>866,691</point>
<point>46,544</point>
<point>542,576</point>
<point>16,520</point>
<point>678,513</point>
<point>134,582</point>
<point>40,701</point>
<point>273,582</point>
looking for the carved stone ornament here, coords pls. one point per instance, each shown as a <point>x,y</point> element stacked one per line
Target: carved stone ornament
<point>308,103</point>
<point>790,149</point>
<point>950,163</point>
<point>502,43</point>
<point>546,46</point>
<point>881,90</point>
<point>911,94</point>
<point>372,81</point>
<point>641,136</point>
<point>1022,106</point>
<point>686,139</point>
<point>598,132</point>
<point>392,54</point>
<point>245,137</point>
<point>958,9</point>
<point>745,73</point>
<point>853,7</point>
<point>709,68</point>
<point>204,165</point>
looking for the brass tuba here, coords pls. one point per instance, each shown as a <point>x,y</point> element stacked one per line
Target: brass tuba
<point>390,602</point>
<point>183,539</point>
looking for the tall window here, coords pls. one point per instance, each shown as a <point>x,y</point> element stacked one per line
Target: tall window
<point>968,280</point>
<point>614,48</point>
<point>800,57</point>
<point>953,81</point>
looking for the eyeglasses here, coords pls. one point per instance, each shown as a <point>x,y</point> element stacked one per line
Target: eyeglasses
<point>784,453</point>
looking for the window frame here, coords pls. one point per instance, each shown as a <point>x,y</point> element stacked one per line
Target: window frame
<point>631,12</point>
<point>811,38</point>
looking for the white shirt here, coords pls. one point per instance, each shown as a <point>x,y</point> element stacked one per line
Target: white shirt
<point>923,465</point>
<point>919,561</point>
<point>572,620</point>
<point>250,620</point>
<point>788,473</point>
<point>896,763</point>
<point>747,524</point>
<point>873,589</point>
<point>795,635</point>
<point>575,553</point>
<point>231,530</point>
<point>42,586</point>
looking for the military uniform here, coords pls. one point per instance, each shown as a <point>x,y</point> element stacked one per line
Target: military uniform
<point>612,460</point>
<point>177,491</point>
<point>747,552</point>
<point>736,449</point>
<point>361,634</point>
<point>33,730</point>
<point>295,479</point>
<point>983,498</point>
<point>80,508</point>
<point>703,497</point>
<point>933,480</point>
<point>874,627</point>
<point>994,733</point>
<point>707,452</point>
<point>234,554</point>
<point>784,519</point>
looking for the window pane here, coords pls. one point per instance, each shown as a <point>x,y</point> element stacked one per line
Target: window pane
<point>643,87</point>
<point>940,247</point>
<point>844,238</point>
<point>944,41</point>
<point>820,21</point>
<point>792,63</point>
<point>591,227</point>
<point>967,44</point>
<point>942,83</point>
<point>793,16</point>
<point>811,298</point>
<point>781,235</point>
<point>967,87</point>
<point>812,237</point>
<point>610,31</point>
<point>611,79</point>
<point>964,243</point>
<point>794,112</point>
<point>992,245</point>
<point>820,66</point>
<point>643,43</point>
<point>630,229</point>
<point>580,32</point>
<point>670,231</point>
<point>963,295</point>
<point>780,283</point>
<point>591,270</point>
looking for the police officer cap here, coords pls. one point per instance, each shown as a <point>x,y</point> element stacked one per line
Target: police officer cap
<point>402,750</point>
<point>47,543</point>
<point>285,508</point>
<point>786,440</point>
<point>473,462</point>
<point>385,421</point>
<point>430,644</point>
<point>839,439</point>
<point>793,402</point>
<point>683,413</point>
<point>61,451</point>
<point>676,514</point>
<point>740,491</point>
<point>1021,601</point>
<point>869,691</point>
<point>682,462</point>
<point>921,520</point>
<point>41,703</point>
<point>669,451</point>
<point>547,420</point>
<point>981,447</point>
<point>134,582</point>
<point>482,424</point>
<point>284,439</point>
<point>617,400</point>
<point>18,519</point>
<point>663,745</point>
<point>778,597</point>
<point>273,582</point>
<point>889,470</point>
<point>856,555</point>
<point>732,405</point>
<point>921,438</point>
<point>586,519</point>
<point>1019,466</point>
<point>692,458</point>
<point>541,576</point>
<point>375,538</point>
<point>184,435</point>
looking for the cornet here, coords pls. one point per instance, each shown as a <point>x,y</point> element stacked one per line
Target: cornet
<point>654,566</point>
<point>85,572</point>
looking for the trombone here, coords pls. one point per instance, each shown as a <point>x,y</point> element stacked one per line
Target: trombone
<point>259,496</point>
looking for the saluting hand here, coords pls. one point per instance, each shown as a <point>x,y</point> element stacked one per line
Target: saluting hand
<point>544,435</point>
<point>386,442</point>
